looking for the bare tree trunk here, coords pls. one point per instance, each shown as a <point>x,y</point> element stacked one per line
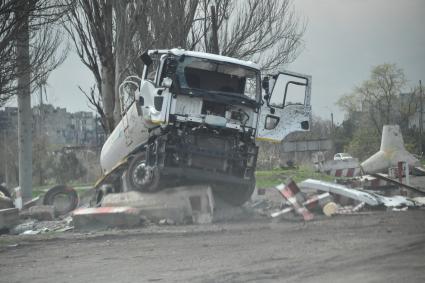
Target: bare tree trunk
<point>121,46</point>
<point>108,70</point>
<point>24,109</point>
<point>215,49</point>
<point>108,91</point>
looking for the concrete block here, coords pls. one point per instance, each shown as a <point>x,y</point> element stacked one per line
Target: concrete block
<point>31,203</point>
<point>41,212</point>
<point>6,202</point>
<point>9,217</point>
<point>391,152</point>
<point>186,204</point>
<point>106,217</point>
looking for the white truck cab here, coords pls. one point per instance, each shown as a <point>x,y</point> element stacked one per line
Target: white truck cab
<point>195,117</point>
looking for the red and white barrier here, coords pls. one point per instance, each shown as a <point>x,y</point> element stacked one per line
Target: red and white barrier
<point>346,172</point>
<point>295,197</point>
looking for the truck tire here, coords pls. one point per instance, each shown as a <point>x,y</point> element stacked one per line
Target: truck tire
<point>136,175</point>
<point>5,192</point>
<point>63,198</point>
<point>235,195</point>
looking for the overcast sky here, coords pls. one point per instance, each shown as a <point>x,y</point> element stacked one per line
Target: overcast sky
<point>343,41</point>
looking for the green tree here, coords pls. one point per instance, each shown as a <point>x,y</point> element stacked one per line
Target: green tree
<point>68,168</point>
<point>373,104</point>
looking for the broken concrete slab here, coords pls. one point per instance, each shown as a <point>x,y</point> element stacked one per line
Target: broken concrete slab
<point>31,203</point>
<point>9,218</point>
<point>40,212</point>
<point>186,204</point>
<point>106,217</point>
<point>6,202</point>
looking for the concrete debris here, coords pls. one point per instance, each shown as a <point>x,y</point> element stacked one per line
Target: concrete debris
<point>31,203</point>
<point>21,228</point>
<point>9,217</point>
<point>419,200</point>
<point>18,197</point>
<point>166,222</point>
<point>40,212</point>
<point>391,152</point>
<point>5,202</point>
<point>106,217</point>
<point>350,209</point>
<point>193,204</point>
<point>63,198</point>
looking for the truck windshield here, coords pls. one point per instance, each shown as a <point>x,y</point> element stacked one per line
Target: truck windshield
<point>213,76</point>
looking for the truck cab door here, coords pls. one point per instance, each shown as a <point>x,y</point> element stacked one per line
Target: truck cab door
<point>287,109</point>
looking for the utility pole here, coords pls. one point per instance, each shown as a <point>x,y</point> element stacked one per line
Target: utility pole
<point>421,119</point>
<point>215,48</point>
<point>24,107</point>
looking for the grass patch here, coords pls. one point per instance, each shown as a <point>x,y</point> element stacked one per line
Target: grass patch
<point>274,177</point>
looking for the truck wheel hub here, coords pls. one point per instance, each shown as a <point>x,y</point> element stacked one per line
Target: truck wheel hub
<point>142,174</point>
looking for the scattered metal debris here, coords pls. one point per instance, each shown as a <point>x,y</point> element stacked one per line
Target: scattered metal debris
<point>339,190</point>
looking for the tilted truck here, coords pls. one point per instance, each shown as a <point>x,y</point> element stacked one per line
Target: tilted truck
<point>195,117</point>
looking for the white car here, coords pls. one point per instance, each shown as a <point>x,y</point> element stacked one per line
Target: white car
<point>342,156</point>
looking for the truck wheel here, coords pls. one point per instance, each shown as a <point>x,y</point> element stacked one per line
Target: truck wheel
<point>140,176</point>
<point>235,195</point>
<point>5,192</point>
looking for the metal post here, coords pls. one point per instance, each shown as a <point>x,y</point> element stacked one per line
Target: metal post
<point>6,179</point>
<point>406,170</point>
<point>421,119</point>
<point>24,109</point>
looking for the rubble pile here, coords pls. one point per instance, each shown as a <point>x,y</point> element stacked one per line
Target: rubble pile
<point>52,213</point>
<point>314,196</point>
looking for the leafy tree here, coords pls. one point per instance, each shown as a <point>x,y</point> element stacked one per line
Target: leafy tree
<point>68,167</point>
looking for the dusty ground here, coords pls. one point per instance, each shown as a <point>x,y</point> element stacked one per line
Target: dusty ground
<point>380,247</point>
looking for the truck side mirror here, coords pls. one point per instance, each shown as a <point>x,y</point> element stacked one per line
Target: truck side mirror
<point>170,66</point>
<point>139,103</point>
<point>146,59</point>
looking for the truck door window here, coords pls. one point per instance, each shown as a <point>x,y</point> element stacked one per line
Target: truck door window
<point>288,90</point>
<point>152,69</point>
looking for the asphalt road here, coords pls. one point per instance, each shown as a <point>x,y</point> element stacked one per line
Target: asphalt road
<point>380,247</point>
